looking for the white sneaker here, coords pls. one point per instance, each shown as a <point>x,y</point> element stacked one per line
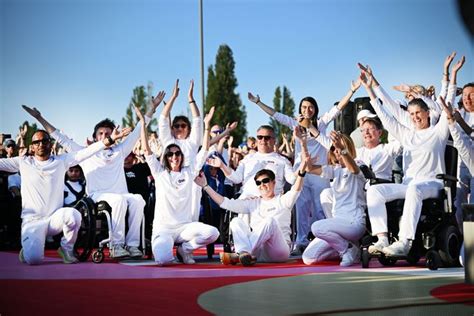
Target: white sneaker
<point>67,256</point>
<point>118,251</point>
<point>350,256</point>
<point>378,246</point>
<point>187,257</point>
<point>398,248</point>
<point>134,252</point>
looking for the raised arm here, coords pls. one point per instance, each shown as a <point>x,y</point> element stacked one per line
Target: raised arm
<point>345,99</point>
<point>348,160</point>
<point>169,105</point>
<point>457,66</point>
<point>192,102</point>
<point>143,132</point>
<point>207,126</point>
<point>37,115</point>
<point>155,102</point>
<point>229,128</point>
<point>256,99</point>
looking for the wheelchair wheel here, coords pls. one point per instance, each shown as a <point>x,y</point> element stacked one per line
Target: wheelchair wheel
<point>365,258</point>
<point>433,260</point>
<point>86,235</point>
<point>98,256</point>
<point>387,261</point>
<point>449,245</point>
<point>413,259</point>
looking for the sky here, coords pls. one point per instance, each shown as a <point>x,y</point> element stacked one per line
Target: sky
<point>78,61</point>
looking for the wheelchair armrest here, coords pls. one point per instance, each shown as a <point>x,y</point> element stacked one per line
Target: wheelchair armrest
<point>379,181</point>
<point>103,206</point>
<point>446,177</point>
<point>367,172</point>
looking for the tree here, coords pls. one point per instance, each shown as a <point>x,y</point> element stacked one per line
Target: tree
<point>221,85</point>
<point>30,130</point>
<point>142,99</point>
<point>285,105</point>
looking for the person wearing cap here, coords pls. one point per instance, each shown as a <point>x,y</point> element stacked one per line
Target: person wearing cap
<point>43,213</point>
<point>10,148</point>
<point>356,134</point>
<point>308,206</point>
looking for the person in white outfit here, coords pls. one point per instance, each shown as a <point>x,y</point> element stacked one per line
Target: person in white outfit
<point>43,213</point>
<point>338,234</point>
<point>423,158</point>
<point>308,206</point>
<point>173,221</point>
<point>105,180</point>
<point>356,134</point>
<point>267,238</point>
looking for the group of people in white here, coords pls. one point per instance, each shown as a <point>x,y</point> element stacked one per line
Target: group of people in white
<point>328,189</point>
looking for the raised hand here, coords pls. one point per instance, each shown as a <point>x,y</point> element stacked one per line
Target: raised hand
<point>459,64</point>
<point>230,141</point>
<point>448,109</point>
<point>336,138</point>
<point>298,133</point>
<point>366,81</point>
<point>402,88</point>
<point>252,98</point>
<point>355,85</point>
<point>23,131</point>
<point>201,179</point>
<point>208,117</point>
<point>214,162</point>
<point>448,61</point>
<point>191,90</point>
<point>175,93</point>
<point>155,101</point>
<point>32,111</point>
<point>139,113</point>
<point>118,133</point>
<point>231,126</point>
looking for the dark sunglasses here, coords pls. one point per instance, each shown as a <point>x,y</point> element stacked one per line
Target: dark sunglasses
<point>182,125</point>
<point>264,180</point>
<point>44,141</point>
<point>173,153</point>
<point>265,137</point>
<point>217,131</point>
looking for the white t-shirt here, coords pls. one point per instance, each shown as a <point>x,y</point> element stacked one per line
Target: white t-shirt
<point>380,158</point>
<point>348,192</point>
<point>279,208</point>
<point>252,163</point>
<point>173,206</point>
<point>43,181</point>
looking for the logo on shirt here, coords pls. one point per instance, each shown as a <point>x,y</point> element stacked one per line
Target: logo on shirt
<point>181,181</point>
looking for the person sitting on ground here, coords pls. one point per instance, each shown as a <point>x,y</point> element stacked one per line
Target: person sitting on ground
<point>338,234</point>
<point>267,238</point>
<point>43,213</point>
<point>173,221</point>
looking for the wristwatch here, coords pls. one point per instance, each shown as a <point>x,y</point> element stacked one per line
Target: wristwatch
<point>344,152</point>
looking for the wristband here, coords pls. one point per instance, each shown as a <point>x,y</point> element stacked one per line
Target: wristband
<point>190,102</point>
<point>353,91</point>
<point>301,174</point>
<point>205,186</point>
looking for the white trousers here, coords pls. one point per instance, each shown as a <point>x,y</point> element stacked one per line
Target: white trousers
<point>191,236</point>
<point>119,204</point>
<point>464,192</point>
<point>266,240</point>
<point>413,193</point>
<point>332,238</point>
<point>308,207</point>
<point>34,232</point>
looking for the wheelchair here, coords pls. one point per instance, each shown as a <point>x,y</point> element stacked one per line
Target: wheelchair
<point>437,236</point>
<point>94,216</point>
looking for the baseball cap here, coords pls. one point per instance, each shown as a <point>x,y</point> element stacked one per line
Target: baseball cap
<point>365,113</point>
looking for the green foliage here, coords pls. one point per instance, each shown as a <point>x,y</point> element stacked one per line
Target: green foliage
<point>285,105</point>
<point>31,129</point>
<point>221,85</point>
<point>142,98</point>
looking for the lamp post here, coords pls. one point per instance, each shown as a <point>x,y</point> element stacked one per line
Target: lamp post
<point>202,54</point>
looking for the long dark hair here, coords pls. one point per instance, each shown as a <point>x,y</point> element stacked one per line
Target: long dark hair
<point>164,160</point>
<point>311,100</point>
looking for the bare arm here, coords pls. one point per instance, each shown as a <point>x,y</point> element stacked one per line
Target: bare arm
<point>263,106</point>
<point>207,124</point>
<point>345,100</point>
<point>457,66</point>
<point>169,105</point>
<point>192,102</point>
<point>37,115</point>
<point>143,132</point>
<point>348,160</point>
<point>201,181</point>
<point>155,102</point>
<point>229,128</point>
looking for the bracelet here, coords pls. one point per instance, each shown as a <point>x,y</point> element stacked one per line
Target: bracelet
<point>205,186</point>
<point>190,102</point>
<point>110,140</point>
<point>353,91</point>
<point>301,174</point>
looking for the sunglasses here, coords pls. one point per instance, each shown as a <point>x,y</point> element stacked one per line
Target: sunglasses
<point>44,141</point>
<point>217,131</point>
<point>265,137</point>
<point>264,180</point>
<point>173,153</point>
<point>182,125</point>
